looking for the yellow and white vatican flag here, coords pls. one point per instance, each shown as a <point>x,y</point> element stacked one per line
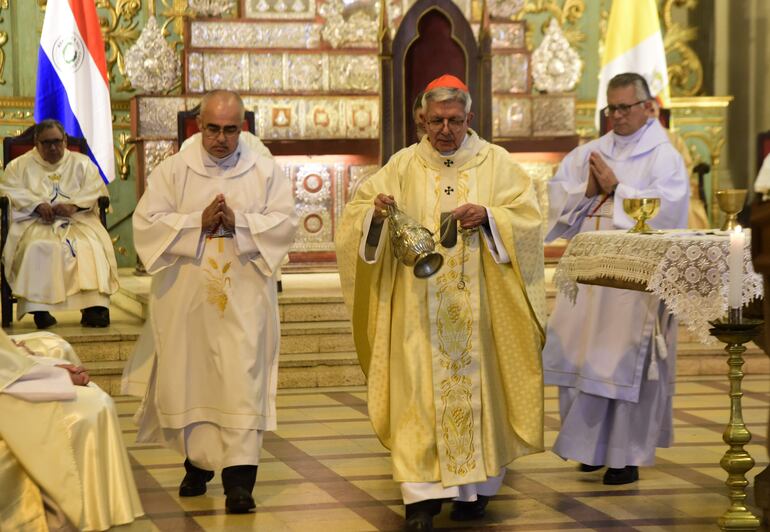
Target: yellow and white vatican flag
<point>634,43</point>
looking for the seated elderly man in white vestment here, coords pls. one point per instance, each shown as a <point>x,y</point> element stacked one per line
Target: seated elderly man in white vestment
<point>212,227</point>
<point>58,256</point>
<point>613,351</point>
<point>63,465</point>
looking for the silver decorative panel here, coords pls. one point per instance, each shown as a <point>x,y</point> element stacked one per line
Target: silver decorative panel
<point>508,35</point>
<point>278,118</point>
<point>222,34</point>
<point>157,116</point>
<point>556,66</point>
<point>305,72</point>
<point>511,116</point>
<point>359,73</point>
<point>266,72</point>
<point>225,71</point>
<point>505,8</point>
<point>324,119</point>
<point>282,72</point>
<point>553,116</point>
<point>155,152</point>
<point>322,186</point>
<point>362,118</point>
<point>314,185</point>
<point>349,23</point>
<point>211,8</point>
<point>334,117</point>
<point>510,73</point>
<point>152,66</point>
<point>280,9</point>
<point>195,73</point>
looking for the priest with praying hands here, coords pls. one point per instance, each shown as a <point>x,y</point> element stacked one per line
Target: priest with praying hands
<point>612,353</point>
<point>212,227</point>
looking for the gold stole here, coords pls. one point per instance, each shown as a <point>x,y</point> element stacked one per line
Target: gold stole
<point>454,311</point>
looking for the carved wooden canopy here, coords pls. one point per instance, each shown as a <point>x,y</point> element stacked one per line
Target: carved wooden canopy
<point>434,38</point>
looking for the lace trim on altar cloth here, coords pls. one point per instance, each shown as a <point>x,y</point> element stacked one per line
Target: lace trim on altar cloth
<point>686,269</point>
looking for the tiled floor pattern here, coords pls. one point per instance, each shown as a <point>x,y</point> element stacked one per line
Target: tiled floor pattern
<point>324,470</point>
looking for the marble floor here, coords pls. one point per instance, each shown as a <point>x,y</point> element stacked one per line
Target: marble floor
<point>324,470</point>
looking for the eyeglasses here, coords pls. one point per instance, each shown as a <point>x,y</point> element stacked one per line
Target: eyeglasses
<point>51,143</point>
<point>621,108</point>
<point>213,130</point>
<point>454,124</point>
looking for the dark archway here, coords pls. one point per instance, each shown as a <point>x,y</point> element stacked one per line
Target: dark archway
<point>433,53</point>
<point>433,38</point>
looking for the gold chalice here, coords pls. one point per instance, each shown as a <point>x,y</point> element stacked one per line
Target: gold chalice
<point>731,202</point>
<point>641,210</point>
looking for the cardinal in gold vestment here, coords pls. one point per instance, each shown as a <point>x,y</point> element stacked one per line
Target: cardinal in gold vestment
<point>453,364</point>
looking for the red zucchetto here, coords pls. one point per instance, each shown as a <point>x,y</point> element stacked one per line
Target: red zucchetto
<point>447,81</point>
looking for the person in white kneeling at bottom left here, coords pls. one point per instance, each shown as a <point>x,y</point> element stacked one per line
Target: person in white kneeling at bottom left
<point>63,464</point>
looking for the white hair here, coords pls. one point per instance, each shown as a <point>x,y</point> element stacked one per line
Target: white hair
<point>446,94</point>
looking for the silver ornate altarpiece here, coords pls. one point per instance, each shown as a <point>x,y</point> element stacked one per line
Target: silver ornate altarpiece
<point>309,70</point>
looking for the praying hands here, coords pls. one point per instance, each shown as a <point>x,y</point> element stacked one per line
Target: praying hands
<point>217,213</point>
<point>601,178</point>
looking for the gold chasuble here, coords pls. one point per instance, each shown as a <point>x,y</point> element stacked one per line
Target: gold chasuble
<point>455,386</point>
<point>35,453</point>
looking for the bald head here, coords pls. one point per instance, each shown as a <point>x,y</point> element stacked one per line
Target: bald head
<point>220,120</point>
<point>222,98</point>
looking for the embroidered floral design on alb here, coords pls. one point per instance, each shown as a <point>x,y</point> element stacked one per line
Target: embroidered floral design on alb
<point>217,284</point>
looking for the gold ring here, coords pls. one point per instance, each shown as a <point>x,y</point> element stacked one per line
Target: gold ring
<point>384,212</point>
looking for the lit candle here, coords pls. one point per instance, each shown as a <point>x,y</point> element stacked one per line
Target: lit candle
<point>735,263</point>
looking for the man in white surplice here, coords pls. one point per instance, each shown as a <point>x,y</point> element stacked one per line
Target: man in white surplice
<point>58,255</point>
<point>612,352</point>
<point>212,227</point>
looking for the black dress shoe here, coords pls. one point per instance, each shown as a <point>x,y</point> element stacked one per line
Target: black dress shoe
<point>238,482</point>
<point>194,481</point>
<point>239,501</point>
<point>625,475</point>
<point>419,515</point>
<point>43,319</point>
<point>585,468</point>
<point>95,317</point>
<point>419,522</point>
<point>468,511</point>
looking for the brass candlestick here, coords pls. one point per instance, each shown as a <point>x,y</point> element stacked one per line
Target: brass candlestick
<point>737,461</point>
